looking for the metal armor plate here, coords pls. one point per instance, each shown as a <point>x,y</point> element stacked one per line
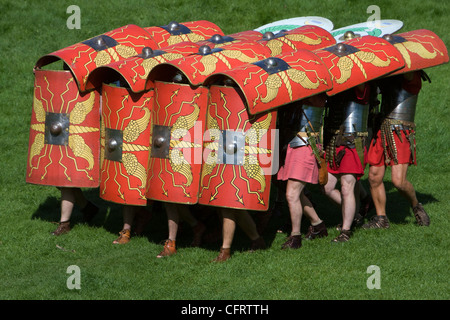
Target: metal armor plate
<point>112,46</point>
<point>64,142</point>
<point>420,49</point>
<point>238,155</point>
<point>308,118</point>
<point>175,32</point>
<point>276,81</point>
<point>125,144</point>
<point>355,117</point>
<point>175,161</point>
<point>359,60</point>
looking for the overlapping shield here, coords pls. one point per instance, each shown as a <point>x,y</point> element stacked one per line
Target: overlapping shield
<point>82,58</point>
<point>420,49</point>
<point>125,144</point>
<point>238,159</point>
<point>175,160</point>
<point>64,139</point>
<point>175,32</point>
<point>359,60</point>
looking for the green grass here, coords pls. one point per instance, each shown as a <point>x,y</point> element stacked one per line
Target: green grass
<point>413,260</point>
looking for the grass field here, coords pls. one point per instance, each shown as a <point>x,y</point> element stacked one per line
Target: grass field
<point>413,260</point>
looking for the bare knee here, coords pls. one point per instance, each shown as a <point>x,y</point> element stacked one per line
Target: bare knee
<point>293,190</point>
<point>375,177</point>
<point>398,177</point>
<point>292,196</point>
<point>399,183</point>
<point>347,187</point>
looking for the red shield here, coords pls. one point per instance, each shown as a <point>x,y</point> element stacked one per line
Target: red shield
<point>238,156</point>
<point>359,60</point>
<point>218,41</point>
<point>112,46</point>
<point>175,32</point>
<point>64,140</point>
<point>176,143</point>
<point>420,49</point>
<point>135,70</point>
<point>305,37</point>
<point>276,81</point>
<point>125,145</point>
<point>209,60</point>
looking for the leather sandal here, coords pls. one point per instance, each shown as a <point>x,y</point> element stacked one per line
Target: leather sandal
<point>421,215</point>
<point>317,231</point>
<point>377,222</point>
<point>344,236</point>
<point>224,255</point>
<point>63,227</point>
<point>168,250</point>
<point>292,242</point>
<point>124,237</point>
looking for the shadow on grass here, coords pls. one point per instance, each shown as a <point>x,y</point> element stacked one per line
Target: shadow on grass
<point>397,207</point>
<point>110,218</point>
<point>156,231</point>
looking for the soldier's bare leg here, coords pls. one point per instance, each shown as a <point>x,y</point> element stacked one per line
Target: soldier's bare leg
<point>293,190</point>
<point>330,189</point>
<point>348,204</point>
<point>406,189</point>
<point>377,189</point>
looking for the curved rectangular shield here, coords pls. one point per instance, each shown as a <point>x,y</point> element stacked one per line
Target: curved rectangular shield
<point>211,59</point>
<point>279,80</point>
<point>175,32</point>
<point>218,41</point>
<point>359,60</point>
<point>64,142</point>
<point>420,49</point>
<point>307,37</point>
<point>125,144</point>
<point>207,61</point>
<point>238,158</point>
<point>135,70</point>
<point>175,158</point>
<point>82,58</point>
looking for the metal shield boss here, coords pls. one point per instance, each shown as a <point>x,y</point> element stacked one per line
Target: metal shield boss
<point>175,160</point>
<point>359,60</point>
<point>420,49</point>
<point>125,141</point>
<point>64,139</point>
<point>238,154</point>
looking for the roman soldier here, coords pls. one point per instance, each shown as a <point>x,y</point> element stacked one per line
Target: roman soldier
<point>393,144</point>
<point>353,64</point>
